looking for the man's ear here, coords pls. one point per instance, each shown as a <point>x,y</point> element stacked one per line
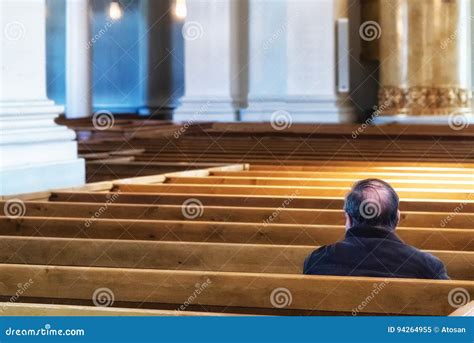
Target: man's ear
<point>398,217</point>
<point>348,221</point>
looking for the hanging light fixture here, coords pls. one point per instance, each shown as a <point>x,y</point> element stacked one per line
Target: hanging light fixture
<point>115,10</point>
<point>180,10</point>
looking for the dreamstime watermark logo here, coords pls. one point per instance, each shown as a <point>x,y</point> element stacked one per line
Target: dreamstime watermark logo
<point>281,120</point>
<point>458,297</point>
<point>99,34</point>
<point>111,198</point>
<point>458,121</point>
<point>46,331</point>
<point>370,30</point>
<point>369,209</point>
<point>446,42</point>
<point>277,211</point>
<point>458,209</point>
<point>22,288</point>
<point>199,288</point>
<point>198,115</point>
<point>452,37</point>
<point>278,33</point>
<point>377,111</point>
<point>14,31</point>
<point>103,297</point>
<point>14,208</point>
<point>281,297</point>
<point>192,208</point>
<point>192,30</point>
<point>103,120</point>
<point>377,288</point>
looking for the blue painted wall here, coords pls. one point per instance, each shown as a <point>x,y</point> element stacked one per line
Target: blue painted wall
<point>55,50</point>
<point>116,57</point>
<point>118,49</point>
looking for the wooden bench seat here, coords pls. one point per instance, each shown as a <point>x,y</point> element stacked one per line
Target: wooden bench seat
<point>423,205</point>
<point>221,232</point>
<point>231,214</point>
<point>265,154</point>
<point>326,182</point>
<point>404,193</point>
<point>297,155</point>
<point>370,166</point>
<point>52,310</point>
<point>251,258</point>
<point>433,177</point>
<point>310,146</point>
<point>311,294</point>
<point>272,161</point>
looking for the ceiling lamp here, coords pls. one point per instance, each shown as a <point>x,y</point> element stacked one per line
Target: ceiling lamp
<point>180,10</point>
<point>115,10</point>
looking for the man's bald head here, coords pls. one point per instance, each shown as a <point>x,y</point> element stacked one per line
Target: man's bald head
<point>372,202</point>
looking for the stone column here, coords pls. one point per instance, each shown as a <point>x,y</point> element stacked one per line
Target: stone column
<point>36,154</point>
<point>207,43</point>
<point>293,62</point>
<point>314,63</point>
<point>78,59</point>
<point>425,59</point>
<point>267,26</point>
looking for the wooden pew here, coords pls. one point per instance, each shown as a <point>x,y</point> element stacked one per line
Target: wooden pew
<point>113,168</point>
<point>153,244</point>
<point>221,232</point>
<point>276,150</point>
<point>404,193</point>
<point>271,161</point>
<point>283,215</point>
<point>149,241</point>
<point>278,153</point>
<point>51,310</point>
<point>313,182</point>
<point>229,200</point>
<point>283,154</point>
<point>298,155</point>
<point>328,294</point>
<point>360,175</point>
<point>247,258</point>
<point>343,130</point>
<point>371,166</point>
<point>299,145</point>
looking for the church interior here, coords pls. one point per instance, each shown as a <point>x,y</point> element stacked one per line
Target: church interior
<point>183,157</point>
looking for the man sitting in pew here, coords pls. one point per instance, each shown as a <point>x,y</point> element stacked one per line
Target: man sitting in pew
<point>371,246</point>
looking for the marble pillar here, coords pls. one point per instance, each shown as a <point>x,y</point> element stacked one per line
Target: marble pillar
<point>293,62</point>
<point>208,54</point>
<point>266,66</point>
<point>35,153</point>
<point>425,60</point>
<point>78,60</point>
<point>314,60</point>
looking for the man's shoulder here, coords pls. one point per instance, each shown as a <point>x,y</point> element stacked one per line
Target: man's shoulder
<point>320,252</point>
<point>422,255</point>
<point>317,257</point>
<point>431,259</point>
<point>432,264</point>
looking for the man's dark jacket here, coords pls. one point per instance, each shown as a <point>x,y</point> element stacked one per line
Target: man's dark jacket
<point>372,251</point>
